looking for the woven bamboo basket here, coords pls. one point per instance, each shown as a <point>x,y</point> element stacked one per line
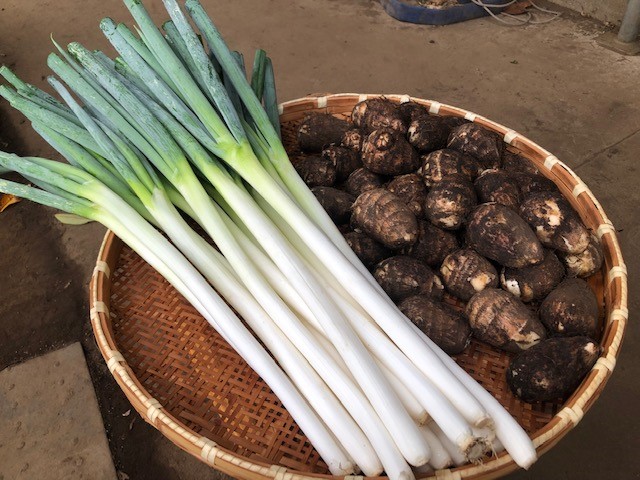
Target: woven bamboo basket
<point>183,378</point>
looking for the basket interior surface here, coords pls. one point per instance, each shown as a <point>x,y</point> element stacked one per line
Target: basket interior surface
<point>204,386</point>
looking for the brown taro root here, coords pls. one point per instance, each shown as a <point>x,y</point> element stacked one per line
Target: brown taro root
<point>500,319</point>
<point>478,141</point>
<point>378,113</point>
<point>428,133</point>
<point>553,369</point>
<point>335,202</point>
<point>446,327</point>
<point>411,190</point>
<point>534,282</point>
<point>531,183</point>
<point>410,110</point>
<point>352,139</point>
<point>449,202</point>
<point>319,130</point>
<point>433,244</point>
<point>402,276</point>
<point>385,218</point>
<point>497,186</point>
<point>465,273</point>
<point>587,263</point>
<point>498,233</point>
<point>571,309</point>
<point>441,163</point>
<point>367,249</point>
<point>362,180</point>
<point>555,222</point>
<point>316,171</point>
<point>345,160</point>
<point>387,152</point>
<point>513,162</point>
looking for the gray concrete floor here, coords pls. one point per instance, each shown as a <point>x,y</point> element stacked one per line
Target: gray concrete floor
<point>550,82</point>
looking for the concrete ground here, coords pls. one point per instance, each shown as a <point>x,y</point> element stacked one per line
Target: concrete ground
<point>550,82</point>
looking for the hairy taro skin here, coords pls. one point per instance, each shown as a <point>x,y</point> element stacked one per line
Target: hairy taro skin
<point>446,327</point>
<point>513,162</point>
<point>362,180</point>
<point>316,171</point>
<point>433,244</point>
<point>571,309</point>
<point>499,187</point>
<point>387,152</point>
<point>353,138</point>
<point>498,233</point>
<point>428,132</point>
<point>536,281</point>
<point>411,190</point>
<point>529,183</point>
<point>336,203</point>
<point>555,222</point>
<point>402,276</point>
<point>345,161</point>
<point>319,130</point>
<point>442,163</point>
<point>385,218</point>
<point>552,369</point>
<point>479,142</point>
<point>587,263</point>
<point>465,273</point>
<point>410,110</point>
<point>449,202</point>
<point>500,319</point>
<point>377,113</point>
<point>367,249</point>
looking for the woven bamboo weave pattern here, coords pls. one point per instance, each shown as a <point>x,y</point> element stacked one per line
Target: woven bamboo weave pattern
<point>214,406</point>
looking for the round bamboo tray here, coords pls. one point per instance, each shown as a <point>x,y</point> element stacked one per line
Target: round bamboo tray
<point>188,383</point>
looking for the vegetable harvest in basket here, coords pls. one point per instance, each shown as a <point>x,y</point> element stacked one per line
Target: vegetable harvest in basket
<point>172,129</point>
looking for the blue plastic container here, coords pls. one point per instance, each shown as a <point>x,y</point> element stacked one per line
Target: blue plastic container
<point>465,10</point>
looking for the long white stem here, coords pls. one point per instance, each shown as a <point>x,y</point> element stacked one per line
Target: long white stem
<point>440,458</point>
<point>212,265</point>
<point>183,276</point>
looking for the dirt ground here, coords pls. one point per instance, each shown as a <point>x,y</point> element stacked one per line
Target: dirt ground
<point>550,82</point>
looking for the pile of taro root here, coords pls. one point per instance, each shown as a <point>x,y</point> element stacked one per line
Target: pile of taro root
<point>432,204</point>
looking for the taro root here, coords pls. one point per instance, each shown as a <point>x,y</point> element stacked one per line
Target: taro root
<point>410,110</point>
<point>367,249</point>
<point>335,202</point>
<point>587,263</point>
<point>345,160</point>
<point>465,273</point>
<point>387,152</point>
<point>385,218</point>
<point>513,162</point>
<point>433,244</point>
<point>497,186</point>
<point>362,180</point>
<point>534,282</point>
<point>411,190</point>
<point>500,319</point>
<point>320,129</point>
<point>352,139</point>
<point>552,369</point>
<point>377,113</point>
<point>555,222</point>
<point>316,171</point>
<point>498,233</point>
<point>446,327</point>
<point>442,163</point>
<point>428,133</point>
<point>571,309</point>
<point>402,276</point>
<point>478,141</point>
<point>449,202</point>
<point>531,183</point>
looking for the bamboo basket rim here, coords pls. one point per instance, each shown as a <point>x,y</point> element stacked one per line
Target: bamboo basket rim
<point>573,188</point>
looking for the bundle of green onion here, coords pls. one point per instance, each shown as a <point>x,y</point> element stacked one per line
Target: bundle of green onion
<point>173,129</point>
